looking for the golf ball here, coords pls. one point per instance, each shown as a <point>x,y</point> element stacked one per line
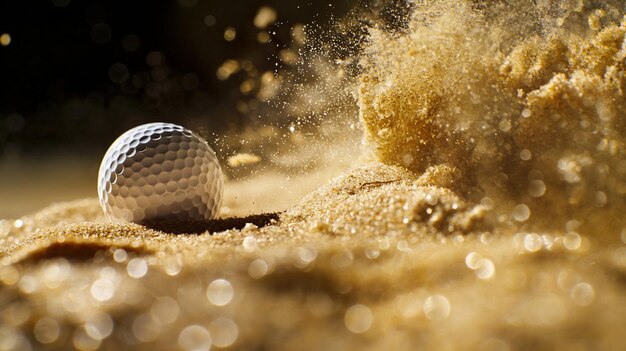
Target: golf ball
<point>160,171</point>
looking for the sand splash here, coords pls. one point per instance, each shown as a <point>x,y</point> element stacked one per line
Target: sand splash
<point>525,102</point>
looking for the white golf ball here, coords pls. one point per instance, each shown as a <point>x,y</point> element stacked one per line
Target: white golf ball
<point>160,171</point>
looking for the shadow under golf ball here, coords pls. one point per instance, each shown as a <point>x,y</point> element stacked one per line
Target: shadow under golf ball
<point>177,226</point>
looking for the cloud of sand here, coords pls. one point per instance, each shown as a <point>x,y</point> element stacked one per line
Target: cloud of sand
<point>523,99</point>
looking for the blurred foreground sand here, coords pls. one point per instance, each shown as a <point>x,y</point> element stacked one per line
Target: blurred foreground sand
<point>378,258</point>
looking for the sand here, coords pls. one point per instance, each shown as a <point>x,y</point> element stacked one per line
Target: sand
<point>483,213</point>
<point>360,263</point>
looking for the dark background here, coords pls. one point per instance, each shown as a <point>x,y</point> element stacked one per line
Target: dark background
<point>78,73</point>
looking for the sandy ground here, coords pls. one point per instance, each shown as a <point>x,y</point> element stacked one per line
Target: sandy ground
<point>28,185</point>
<point>382,275</point>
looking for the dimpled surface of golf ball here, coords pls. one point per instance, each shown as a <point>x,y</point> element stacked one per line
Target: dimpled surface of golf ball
<point>160,171</point>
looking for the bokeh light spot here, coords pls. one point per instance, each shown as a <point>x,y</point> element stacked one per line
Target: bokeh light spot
<point>5,39</point>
